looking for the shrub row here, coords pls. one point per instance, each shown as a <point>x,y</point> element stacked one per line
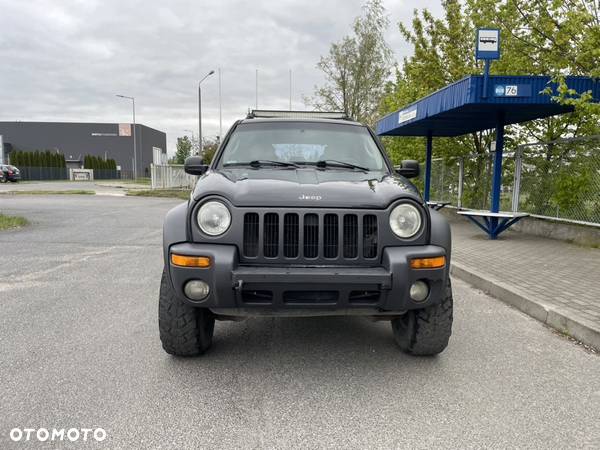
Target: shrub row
<point>97,163</point>
<point>46,158</point>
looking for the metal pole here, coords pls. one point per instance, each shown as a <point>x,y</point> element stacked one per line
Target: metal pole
<point>199,119</point>
<point>220,108</point>
<point>200,111</point>
<point>290,89</point>
<point>486,75</point>
<point>256,90</point>
<point>517,179</point>
<point>497,180</point>
<point>461,176</point>
<point>428,152</point>
<point>134,142</point>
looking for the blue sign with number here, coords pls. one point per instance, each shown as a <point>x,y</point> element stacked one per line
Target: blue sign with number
<point>512,90</point>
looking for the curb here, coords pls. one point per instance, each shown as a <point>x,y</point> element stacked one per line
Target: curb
<point>561,320</point>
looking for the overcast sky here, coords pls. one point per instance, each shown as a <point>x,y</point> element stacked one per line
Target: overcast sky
<point>66,60</point>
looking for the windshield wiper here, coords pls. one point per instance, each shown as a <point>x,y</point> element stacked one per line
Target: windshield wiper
<point>262,162</point>
<point>334,163</point>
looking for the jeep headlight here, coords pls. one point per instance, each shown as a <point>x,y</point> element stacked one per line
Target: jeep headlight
<point>405,220</point>
<point>214,218</point>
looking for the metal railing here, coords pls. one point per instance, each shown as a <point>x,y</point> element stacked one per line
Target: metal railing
<point>171,176</point>
<point>558,179</point>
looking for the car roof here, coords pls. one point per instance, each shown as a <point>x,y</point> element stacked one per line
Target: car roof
<point>299,120</point>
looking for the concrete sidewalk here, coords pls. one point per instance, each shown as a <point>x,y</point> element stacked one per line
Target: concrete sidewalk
<point>553,281</point>
<point>100,187</point>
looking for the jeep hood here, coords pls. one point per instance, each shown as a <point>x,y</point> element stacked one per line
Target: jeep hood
<point>304,188</point>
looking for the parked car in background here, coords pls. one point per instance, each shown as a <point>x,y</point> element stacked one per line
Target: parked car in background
<point>2,177</point>
<point>11,173</point>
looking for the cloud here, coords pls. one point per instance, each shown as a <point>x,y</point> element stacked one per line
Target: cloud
<point>66,60</point>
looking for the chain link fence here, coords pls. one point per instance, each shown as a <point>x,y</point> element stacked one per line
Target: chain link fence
<point>561,179</point>
<point>558,179</point>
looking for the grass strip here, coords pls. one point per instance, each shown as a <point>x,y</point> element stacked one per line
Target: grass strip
<point>163,193</point>
<point>7,222</point>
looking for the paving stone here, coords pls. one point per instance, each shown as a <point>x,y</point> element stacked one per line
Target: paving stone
<point>562,274</point>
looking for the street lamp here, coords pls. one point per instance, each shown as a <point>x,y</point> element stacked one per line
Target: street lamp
<point>134,146</point>
<point>200,110</point>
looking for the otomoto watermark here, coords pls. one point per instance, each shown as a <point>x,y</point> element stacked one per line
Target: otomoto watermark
<point>57,434</point>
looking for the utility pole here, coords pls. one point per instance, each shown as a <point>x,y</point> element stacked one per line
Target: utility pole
<point>290,89</point>
<point>256,103</point>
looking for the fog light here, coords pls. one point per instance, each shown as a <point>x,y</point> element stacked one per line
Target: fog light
<point>196,289</point>
<point>419,291</point>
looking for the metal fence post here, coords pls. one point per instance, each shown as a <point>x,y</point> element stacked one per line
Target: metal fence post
<point>517,178</point>
<point>461,174</point>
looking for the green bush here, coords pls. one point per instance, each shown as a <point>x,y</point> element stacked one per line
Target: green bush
<point>47,158</point>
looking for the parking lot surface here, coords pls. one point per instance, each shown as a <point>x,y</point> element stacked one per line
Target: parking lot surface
<point>79,348</point>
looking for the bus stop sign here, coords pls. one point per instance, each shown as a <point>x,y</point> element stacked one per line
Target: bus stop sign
<point>488,44</point>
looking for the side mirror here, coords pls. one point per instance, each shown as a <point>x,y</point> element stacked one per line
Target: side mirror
<point>409,168</point>
<point>194,165</point>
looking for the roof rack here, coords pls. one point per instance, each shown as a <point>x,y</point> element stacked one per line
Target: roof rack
<point>283,114</point>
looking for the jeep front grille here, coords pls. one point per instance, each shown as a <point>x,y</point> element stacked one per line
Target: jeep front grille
<point>309,237</point>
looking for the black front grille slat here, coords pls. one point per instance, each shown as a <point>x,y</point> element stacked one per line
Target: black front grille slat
<point>291,235</point>
<point>369,236</point>
<point>271,235</point>
<point>318,297</point>
<point>364,297</point>
<point>350,236</point>
<point>314,236</point>
<point>330,236</point>
<point>311,236</point>
<point>251,235</point>
<point>263,297</point>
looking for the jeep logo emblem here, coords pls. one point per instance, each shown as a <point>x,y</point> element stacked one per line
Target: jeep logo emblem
<point>310,197</point>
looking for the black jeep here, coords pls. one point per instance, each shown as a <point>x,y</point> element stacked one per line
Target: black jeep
<point>304,216</point>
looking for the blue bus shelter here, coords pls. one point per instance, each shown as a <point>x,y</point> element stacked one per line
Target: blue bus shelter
<point>477,103</point>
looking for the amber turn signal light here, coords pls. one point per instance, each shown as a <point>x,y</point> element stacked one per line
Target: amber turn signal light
<point>436,262</point>
<point>190,261</point>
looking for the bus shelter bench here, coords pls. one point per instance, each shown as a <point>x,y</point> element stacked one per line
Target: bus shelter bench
<point>493,223</point>
<point>437,205</point>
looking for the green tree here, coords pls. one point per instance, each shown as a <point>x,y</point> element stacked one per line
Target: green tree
<point>538,38</point>
<point>356,68</point>
<point>184,149</point>
<point>209,149</point>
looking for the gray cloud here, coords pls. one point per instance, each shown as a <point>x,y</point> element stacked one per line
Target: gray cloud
<point>66,60</point>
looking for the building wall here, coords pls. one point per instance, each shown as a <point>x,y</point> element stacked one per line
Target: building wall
<point>75,140</point>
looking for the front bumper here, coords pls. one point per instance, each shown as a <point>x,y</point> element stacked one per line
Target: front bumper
<point>235,287</point>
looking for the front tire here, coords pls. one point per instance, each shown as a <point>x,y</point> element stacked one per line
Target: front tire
<point>184,329</point>
<point>425,332</point>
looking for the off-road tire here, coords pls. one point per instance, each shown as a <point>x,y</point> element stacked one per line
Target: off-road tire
<point>184,329</point>
<point>425,332</point>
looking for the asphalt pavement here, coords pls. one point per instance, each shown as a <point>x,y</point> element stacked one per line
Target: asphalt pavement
<point>79,348</point>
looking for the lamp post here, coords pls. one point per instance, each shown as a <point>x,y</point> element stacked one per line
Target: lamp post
<point>200,110</point>
<point>134,145</point>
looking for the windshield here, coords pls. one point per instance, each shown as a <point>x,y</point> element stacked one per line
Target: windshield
<point>287,144</point>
